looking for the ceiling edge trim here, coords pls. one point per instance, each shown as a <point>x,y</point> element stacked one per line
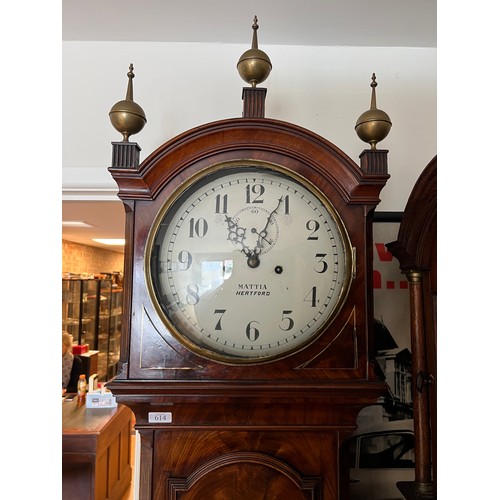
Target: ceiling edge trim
<point>91,194</point>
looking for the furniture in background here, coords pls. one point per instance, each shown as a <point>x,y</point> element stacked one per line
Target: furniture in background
<point>89,362</point>
<point>416,251</point>
<point>92,314</point>
<point>96,452</point>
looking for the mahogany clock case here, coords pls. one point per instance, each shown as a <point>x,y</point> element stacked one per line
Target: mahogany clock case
<point>263,430</point>
<point>342,351</point>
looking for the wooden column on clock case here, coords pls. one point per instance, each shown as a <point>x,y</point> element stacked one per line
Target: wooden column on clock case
<point>273,430</point>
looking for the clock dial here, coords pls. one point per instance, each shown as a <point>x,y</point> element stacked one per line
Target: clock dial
<point>248,263</point>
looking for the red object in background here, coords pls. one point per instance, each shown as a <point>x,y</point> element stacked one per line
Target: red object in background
<point>80,349</point>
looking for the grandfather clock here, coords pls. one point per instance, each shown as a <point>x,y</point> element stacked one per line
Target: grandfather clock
<point>248,301</point>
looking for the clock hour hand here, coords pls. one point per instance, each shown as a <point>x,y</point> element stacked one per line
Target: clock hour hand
<point>237,235</point>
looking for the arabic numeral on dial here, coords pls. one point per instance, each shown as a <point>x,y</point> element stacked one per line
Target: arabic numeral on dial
<point>254,193</point>
<point>221,204</point>
<point>198,228</point>
<point>185,260</point>
<point>321,266</point>
<point>311,297</point>
<point>252,332</point>
<point>286,322</point>
<point>192,297</point>
<point>313,226</point>
<point>218,326</point>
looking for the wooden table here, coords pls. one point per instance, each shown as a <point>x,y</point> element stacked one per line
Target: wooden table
<point>96,452</point>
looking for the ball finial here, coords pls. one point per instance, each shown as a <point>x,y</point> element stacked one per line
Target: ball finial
<point>254,65</point>
<point>127,116</point>
<point>373,125</point>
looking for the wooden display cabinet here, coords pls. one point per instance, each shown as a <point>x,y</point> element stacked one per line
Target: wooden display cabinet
<point>80,310</point>
<point>92,314</point>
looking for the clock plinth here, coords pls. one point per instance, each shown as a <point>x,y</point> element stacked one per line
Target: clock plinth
<point>125,154</point>
<point>374,161</point>
<point>254,102</point>
<point>284,417</point>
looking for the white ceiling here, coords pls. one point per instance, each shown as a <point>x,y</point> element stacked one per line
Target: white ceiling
<point>386,23</point>
<point>107,219</point>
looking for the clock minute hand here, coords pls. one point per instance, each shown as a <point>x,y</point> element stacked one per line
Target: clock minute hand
<point>263,233</point>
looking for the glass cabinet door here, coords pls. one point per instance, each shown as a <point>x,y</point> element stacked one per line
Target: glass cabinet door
<point>79,310</point>
<point>92,314</point>
<point>71,310</point>
<point>90,307</point>
<point>105,287</point>
<point>115,331</point>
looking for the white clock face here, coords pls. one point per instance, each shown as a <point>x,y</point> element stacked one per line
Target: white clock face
<point>247,264</point>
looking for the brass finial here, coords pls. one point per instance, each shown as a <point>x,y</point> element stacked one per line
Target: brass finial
<point>254,65</point>
<point>373,125</point>
<point>127,116</point>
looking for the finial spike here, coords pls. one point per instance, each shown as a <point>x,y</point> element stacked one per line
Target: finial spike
<point>130,90</point>
<point>255,27</point>
<point>374,97</point>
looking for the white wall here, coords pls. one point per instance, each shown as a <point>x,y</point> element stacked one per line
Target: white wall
<point>182,85</point>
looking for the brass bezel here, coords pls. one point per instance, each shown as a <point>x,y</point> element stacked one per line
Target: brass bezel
<point>180,192</point>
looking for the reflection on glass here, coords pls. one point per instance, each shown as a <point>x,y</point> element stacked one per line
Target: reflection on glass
<point>214,273</point>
